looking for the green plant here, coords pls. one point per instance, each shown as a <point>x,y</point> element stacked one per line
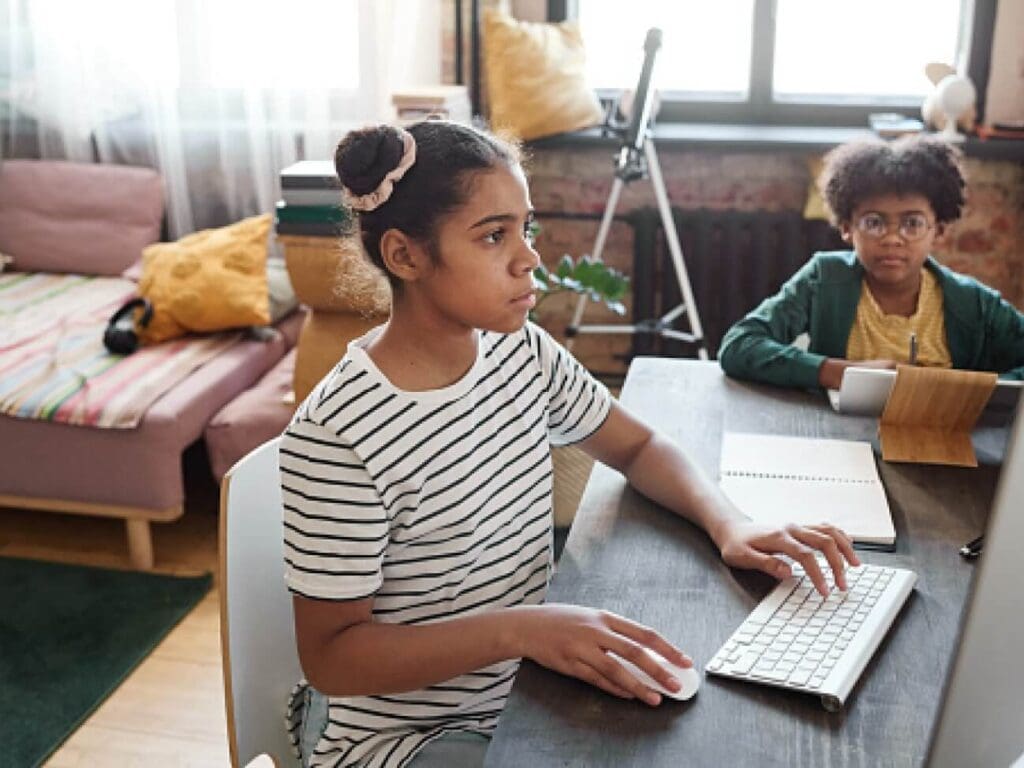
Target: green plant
<point>595,278</point>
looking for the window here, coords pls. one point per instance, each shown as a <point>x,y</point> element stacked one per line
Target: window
<point>704,53</point>
<point>814,62</point>
<point>878,55</point>
<point>309,44</point>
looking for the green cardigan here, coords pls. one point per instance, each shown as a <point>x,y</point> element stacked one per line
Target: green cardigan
<point>984,332</point>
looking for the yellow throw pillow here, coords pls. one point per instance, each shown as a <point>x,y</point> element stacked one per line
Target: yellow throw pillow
<point>207,281</point>
<point>535,81</point>
<point>815,206</point>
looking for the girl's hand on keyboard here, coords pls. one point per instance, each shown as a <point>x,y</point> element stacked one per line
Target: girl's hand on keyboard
<point>574,641</point>
<point>748,545</point>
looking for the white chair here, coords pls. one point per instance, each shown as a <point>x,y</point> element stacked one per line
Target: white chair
<point>261,663</point>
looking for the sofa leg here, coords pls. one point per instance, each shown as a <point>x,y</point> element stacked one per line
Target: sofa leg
<point>140,544</point>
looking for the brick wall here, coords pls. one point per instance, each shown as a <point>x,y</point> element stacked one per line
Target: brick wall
<point>988,241</point>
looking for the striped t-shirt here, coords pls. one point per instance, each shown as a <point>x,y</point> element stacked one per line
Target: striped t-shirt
<point>437,504</point>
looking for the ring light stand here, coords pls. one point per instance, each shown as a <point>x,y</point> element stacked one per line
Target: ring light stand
<point>637,159</point>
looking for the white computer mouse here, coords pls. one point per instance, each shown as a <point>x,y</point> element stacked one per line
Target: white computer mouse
<point>688,677</point>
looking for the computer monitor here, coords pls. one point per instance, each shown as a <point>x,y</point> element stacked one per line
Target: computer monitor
<point>981,719</point>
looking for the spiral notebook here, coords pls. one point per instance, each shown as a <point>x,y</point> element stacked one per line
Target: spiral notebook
<point>780,480</point>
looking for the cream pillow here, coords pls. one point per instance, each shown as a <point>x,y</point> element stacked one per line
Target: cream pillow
<point>535,81</point>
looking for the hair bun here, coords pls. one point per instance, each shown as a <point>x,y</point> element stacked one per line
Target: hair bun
<point>364,157</point>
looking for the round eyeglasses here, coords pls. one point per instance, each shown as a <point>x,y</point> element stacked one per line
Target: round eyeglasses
<point>911,226</point>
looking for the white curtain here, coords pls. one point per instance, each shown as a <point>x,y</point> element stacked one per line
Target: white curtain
<point>218,95</point>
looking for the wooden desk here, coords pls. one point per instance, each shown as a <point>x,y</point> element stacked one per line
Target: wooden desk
<point>627,555</point>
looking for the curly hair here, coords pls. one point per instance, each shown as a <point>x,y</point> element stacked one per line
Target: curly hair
<point>911,165</point>
<point>448,156</point>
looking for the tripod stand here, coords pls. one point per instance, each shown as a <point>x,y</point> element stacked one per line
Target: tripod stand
<point>638,159</point>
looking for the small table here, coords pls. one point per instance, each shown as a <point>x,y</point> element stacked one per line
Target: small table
<point>627,555</point>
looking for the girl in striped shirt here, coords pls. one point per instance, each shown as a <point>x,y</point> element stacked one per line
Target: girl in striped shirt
<point>417,476</point>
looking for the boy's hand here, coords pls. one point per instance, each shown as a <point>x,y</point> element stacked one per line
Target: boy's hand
<point>575,640</point>
<point>748,545</point>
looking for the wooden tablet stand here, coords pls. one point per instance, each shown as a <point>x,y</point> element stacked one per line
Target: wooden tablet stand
<point>930,413</point>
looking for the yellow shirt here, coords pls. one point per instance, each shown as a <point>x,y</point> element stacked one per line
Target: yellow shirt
<point>878,336</point>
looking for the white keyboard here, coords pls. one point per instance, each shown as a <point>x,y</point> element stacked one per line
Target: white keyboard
<point>797,639</point>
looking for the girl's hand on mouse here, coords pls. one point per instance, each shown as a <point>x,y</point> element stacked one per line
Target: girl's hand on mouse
<point>574,641</point>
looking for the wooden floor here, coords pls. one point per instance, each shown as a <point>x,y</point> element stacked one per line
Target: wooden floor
<point>170,712</point>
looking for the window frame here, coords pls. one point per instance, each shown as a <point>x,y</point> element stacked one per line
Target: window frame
<point>761,109</point>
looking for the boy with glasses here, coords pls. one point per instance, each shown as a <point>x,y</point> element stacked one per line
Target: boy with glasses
<point>887,301</point>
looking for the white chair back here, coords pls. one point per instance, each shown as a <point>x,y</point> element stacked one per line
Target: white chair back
<point>261,663</point>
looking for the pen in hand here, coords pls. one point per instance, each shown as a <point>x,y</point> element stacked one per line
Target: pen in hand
<point>913,349</point>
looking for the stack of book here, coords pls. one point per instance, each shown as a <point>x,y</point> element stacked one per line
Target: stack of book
<point>889,125</point>
<point>1011,130</point>
<point>450,102</point>
<point>311,201</point>
<point>345,296</point>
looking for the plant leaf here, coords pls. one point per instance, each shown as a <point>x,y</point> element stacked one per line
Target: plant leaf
<point>594,278</point>
<point>565,266</point>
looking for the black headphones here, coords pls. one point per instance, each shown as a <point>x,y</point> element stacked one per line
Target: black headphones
<point>120,337</point>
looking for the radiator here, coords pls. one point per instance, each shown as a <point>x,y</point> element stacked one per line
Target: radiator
<point>734,260</point>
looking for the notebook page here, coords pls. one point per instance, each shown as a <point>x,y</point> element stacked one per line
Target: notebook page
<point>860,509</point>
<point>748,454</point>
<point>781,480</point>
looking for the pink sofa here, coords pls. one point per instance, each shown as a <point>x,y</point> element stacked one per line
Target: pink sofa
<point>259,414</point>
<point>95,219</point>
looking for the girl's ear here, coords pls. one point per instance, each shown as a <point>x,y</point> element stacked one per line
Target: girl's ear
<point>846,231</point>
<point>402,256</point>
<point>941,231</point>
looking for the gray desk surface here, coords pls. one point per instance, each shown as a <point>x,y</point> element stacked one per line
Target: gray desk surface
<point>627,555</point>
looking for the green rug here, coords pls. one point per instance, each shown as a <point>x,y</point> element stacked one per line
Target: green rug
<point>68,636</point>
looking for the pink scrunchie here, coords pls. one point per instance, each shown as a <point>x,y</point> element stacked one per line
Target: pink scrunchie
<point>377,197</point>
